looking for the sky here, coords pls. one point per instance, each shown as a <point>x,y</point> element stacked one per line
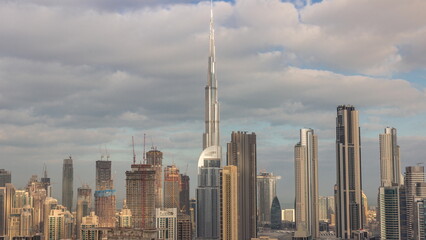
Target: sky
<point>81,78</point>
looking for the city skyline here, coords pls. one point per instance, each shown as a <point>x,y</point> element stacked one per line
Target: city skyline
<point>70,103</point>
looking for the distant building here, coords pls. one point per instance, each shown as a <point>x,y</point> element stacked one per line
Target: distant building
<point>184,193</point>
<point>105,200</point>
<point>67,183</point>
<point>184,227</point>
<point>5,177</point>
<point>266,191</point>
<point>154,157</point>
<point>125,217</point>
<point>60,224</point>
<point>413,175</point>
<point>276,214</point>
<point>84,205</point>
<point>228,203</point>
<point>7,194</point>
<point>288,215</point>
<point>419,226</point>
<point>172,183</point>
<point>89,226</point>
<point>166,223</point>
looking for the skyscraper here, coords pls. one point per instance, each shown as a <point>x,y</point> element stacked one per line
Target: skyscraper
<point>184,193</point>
<point>140,195</point>
<point>242,153</point>
<point>413,175</point>
<point>348,191</point>
<point>171,187</point>
<point>154,157</point>
<point>5,177</point>
<point>67,183</point>
<point>389,212</point>
<point>84,205</point>
<point>266,191</point>
<point>306,173</point>
<point>390,170</point>
<point>276,214</point>
<point>207,192</point>
<point>105,201</point>
<point>45,180</point>
<point>7,194</point>
<point>229,201</point>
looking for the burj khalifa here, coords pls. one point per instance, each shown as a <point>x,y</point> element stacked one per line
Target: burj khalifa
<point>208,191</point>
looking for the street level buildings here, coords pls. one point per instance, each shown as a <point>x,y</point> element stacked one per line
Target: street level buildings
<point>348,188</point>
<point>229,203</point>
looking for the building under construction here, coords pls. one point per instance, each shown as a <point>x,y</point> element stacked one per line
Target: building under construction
<point>105,201</point>
<point>172,183</point>
<point>154,157</point>
<point>140,195</point>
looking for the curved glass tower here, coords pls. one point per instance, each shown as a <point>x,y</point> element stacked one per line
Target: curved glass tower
<point>208,218</point>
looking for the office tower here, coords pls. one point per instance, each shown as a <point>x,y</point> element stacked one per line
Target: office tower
<point>390,170</point>
<point>7,194</point>
<point>228,203</point>
<point>306,174</point>
<point>419,225</point>
<point>184,226</point>
<point>60,224</point>
<point>45,180</point>
<point>348,196</point>
<point>5,177</point>
<point>193,211</point>
<point>154,157</point>
<point>84,204</point>
<point>276,214</point>
<point>266,191</point>
<point>140,195</point>
<point>207,192</point>
<point>88,227</point>
<point>413,175</point>
<point>125,217</point>
<point>184,193</point>
<point>49,204</point>
<point>105,201</point>
<point>37,193</point>
<point>166,223</point>
<point>389,212</point>
<point>67,183</point>
<point>242,153</point>
<point>171,187</point>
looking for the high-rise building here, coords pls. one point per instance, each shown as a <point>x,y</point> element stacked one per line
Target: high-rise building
<point>60,224</point>
<point>88,227</point>
<point>67,183</point>
<point>184,193</point>
<point>172,184</point>
<point>266,191</point>
<point>140,195</point>
<point>154,157</point>
<point>125,217</point>
<point>5,177</point>
<point>184,226</point>
<point>419,226</point>
<point>242,153</point>
<point>84,205</point>
<point>390,170</point>
<point>105,201</point>
<point>276,214</point>
<point>390,225</point>
<point>306,174</point>
<point>413,175</point>
<point>45,180</point>
<point>228,203</point>
<point>348,190</point>
<point>207,193</point>
<point>49,204</point>
<point>166,223</point>
<point>7,194</point>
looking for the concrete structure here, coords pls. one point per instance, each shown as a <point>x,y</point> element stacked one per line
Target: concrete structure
<point>67,183</point>
<point>84,205</point>
<point>184,194</point>
<point>154,157</point>
<point>172,184</point>
<point>5,177</point>
<point>207,193</point>
<point>266,191</point>
<point>228,203</point>
<point>105,200</point>
<point>166,223</point>
<point>390,170</point>
<point>140,195</point>
<point>242,153</point>
<point>184,226</point>
<point>348,189</point>
<point>413,175</point>
<point>88,227</point>
<point>306,189</point>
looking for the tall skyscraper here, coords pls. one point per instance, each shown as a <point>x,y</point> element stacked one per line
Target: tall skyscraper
<point>242,153</point>
<point>84,205</point>
<point>7,194</point>
<point>306,174</point>
<point>419,226</point>
<point>413,175</point>
<point>229,201</point>
<point>105,201</point>
<point>5,177</point>
<point>184,193</point>
<point>207,193</point>
<point>67,183</point>
<point>390,170</point>
<point>45,180</point>
<point>172,183</point>
<point>389,212</point>
<point>154,157</point>
<point>140,195</point>
<point>348,191</point>
<point>266,191</point>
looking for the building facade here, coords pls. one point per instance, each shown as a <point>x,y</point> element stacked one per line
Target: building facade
<point>5,177</point>
<point>413,175</point>
<point>266,191</point>
<point>67,183</point>
<point>84,205</point>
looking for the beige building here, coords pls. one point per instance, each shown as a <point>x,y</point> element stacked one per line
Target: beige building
<point>88,227</point>
<point>125,217</point>
<point>229,201</point>
<point>166,223</point>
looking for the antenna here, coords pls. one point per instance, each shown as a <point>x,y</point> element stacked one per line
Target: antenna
<point>144,145</point>
<point>45,170</point>
<point>134,154</point>
<point>106,152</point>
<point>186,170</point>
